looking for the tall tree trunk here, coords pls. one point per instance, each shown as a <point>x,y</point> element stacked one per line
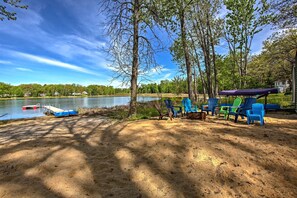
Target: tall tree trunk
<point>135,62</point>
<point>241,68</point>
<point>200,35</point>
<point>247,46</point>
<point>186,52</point>
<point>215,90</point>
<point>195,86</point>
<point>232,50</point>
<point>295,81</point>
<point>207,61</point>
<point>196,59</point>
<point>202,79</point>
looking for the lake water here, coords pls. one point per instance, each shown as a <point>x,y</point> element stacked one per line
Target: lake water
<point>13,108</point>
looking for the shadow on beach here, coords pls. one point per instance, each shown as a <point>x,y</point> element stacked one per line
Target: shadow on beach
<point>99,157</point>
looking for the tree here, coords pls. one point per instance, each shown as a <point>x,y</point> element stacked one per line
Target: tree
<point>5,89</point>
<point>282,48</point>
<point>205,33</point>
<point>179,85</point>
<point>182,9</point>
<point>131,48</point>
<point>284,13</point>
<point>275,62</point>
<point>225,76</point>
<point>245,18</point>
<point>175,14</point>
<point>7,14</point>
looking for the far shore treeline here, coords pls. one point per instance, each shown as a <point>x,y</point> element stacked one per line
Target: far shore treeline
<point>37,90</point>
<point>177,86</point>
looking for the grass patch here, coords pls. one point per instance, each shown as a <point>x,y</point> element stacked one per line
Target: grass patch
<point>145,110</point>
<point>283,100</point>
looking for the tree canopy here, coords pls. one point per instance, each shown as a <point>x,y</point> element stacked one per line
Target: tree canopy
<point>37,90</point>
<point>8,12</point>
<point>284,13</point>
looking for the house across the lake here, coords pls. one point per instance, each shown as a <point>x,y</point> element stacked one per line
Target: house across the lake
<point>282,86</point>
<point>76,94</point>
<point>27,94</point>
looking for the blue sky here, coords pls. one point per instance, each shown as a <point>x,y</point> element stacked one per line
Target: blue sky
<point>60,41</point>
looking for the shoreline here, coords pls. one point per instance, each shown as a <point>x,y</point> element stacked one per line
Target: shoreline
<point>98,96</point>
<point>83,112</point>
<point>60,97</point>
<point>2,122</point>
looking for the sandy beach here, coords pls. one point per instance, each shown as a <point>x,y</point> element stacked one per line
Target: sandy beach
<point>89,156</point>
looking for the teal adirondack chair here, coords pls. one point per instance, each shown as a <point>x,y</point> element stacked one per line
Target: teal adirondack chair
<point>256,113</point>
<point>187,105</point>
<point>227,109</point>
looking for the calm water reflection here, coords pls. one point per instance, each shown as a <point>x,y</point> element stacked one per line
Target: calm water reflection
<point>13,108</point>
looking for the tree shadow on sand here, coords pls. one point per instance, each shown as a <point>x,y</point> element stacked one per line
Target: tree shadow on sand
<point>95,146</point>
<point>98,157</point>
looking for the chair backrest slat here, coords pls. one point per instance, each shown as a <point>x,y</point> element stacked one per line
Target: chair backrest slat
<point>186,102</point>
<point>236,104</point>
<point>212,103</point>
<point>257,108</point>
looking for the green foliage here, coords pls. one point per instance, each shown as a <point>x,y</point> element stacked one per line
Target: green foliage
<point>275,61</point>
<point>282,99</point>
<point>227,76</point>
<point>177,86</point>
<point>7,13</point>
<point>244,20</point>
<point>146,110</point>
<point>5,89</point>
<point>284,13</point>
<point>36,90</point>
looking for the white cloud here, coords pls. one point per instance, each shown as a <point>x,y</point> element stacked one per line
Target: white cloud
<point>166,76</point>
<point>88,14</point>
<point>5,62</point>
<point>55,63</point>
<point>24,69</point>
<point>159,69</point>
<point>157,78</point>
<point>73,47</point>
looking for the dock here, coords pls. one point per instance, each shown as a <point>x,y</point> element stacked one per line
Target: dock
<point>59,112</point>
<point>52,109</point>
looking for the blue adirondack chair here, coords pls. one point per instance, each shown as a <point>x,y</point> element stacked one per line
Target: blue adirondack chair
<point>172,108</point>
<point>241,111</point>
<point>257,113</point>
<point>212,103</point>
<point>187,104</point>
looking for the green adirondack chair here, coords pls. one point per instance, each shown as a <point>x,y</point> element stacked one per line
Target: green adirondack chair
<point>226,109</point>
